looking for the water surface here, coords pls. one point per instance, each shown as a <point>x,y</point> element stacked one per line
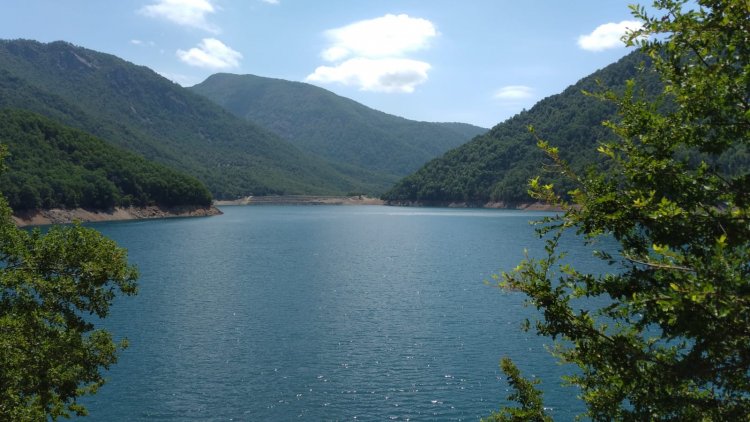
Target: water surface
<point>323,313</point>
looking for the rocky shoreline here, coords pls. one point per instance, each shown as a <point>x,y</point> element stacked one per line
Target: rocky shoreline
<point>64,216</point>
<point>524,206</point>
<point>366,200</point>
<point>302,200</point>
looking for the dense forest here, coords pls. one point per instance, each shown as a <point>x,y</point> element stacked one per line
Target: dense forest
<point>49,165</point>
<point>498,165</point>
<point>136,109</point>
<point>337,128</point>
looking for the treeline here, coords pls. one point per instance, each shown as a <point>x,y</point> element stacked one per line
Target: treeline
<point>498,165</point>
<point>49,165</point>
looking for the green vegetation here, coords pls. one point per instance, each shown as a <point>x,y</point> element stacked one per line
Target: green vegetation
<point>339,129</point>
<point>667,335</point>
<point>51,285</point>
<point>136,109</point>
<point>53,166</point>
<point>525,393</point>
<point>498,165</point>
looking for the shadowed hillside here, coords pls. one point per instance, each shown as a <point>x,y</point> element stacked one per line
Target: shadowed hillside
<point>497,166</point>
<point>49,165</point>
<point>135,108</point>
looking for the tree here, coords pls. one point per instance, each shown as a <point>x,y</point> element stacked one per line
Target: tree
<point>50,286</point>
<point>672,341</point>
<point>525,393</point>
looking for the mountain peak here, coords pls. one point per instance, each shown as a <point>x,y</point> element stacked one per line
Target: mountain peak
<point>337,128</point>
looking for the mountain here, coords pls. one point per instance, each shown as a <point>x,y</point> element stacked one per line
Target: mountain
<point>134,108</point>
<point>49,165</point>
<point>497,166</point>
<point>337,128</point>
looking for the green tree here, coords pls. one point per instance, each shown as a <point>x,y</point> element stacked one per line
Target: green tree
<point>51,285</point>
<point>525,393</point>
<point>672,338</point>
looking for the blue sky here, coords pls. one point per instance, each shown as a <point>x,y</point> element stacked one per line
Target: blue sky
<point>474,61</point>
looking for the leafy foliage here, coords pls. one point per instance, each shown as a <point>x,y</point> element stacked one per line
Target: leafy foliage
<point>497,166</point>
<point>52,166</point>
<point>337,128</point>
<point>672,341</point>
<point>138,110</point>
<point>525,393</point>
<point>50,286</point>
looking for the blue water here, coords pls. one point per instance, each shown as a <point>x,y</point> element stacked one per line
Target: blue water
<point>324,313</point>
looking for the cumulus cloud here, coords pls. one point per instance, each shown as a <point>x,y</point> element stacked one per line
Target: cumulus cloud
<point>211,54</point>
<point>378,75</point>
<point>183,12</point>
<point>514,92</point>
<point>387,36</point>
<point>607,36</point>
<point>370,54</point>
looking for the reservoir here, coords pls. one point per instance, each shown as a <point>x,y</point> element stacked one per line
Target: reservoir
<point>273,313</point>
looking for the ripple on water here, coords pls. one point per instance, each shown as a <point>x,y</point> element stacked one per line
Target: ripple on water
<point>321,313</point>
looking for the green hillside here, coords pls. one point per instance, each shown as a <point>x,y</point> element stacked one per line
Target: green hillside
<point>53,166</point>
<point>135,108</point>
<point>337,128</point>
<point>498,165</point>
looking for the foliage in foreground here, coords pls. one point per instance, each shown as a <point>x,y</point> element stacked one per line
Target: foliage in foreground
<point>525,393</point>
<point>673,341</point>
<point>51,285</point>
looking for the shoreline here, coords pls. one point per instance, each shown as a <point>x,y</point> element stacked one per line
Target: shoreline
<point>301,200</point>
<point>66,216</point>
<point>521,206</point>
<point>365,200</point>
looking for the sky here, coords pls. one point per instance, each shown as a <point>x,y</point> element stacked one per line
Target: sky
<point>472,61</point>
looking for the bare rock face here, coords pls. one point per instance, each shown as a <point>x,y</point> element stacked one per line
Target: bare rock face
<point>64,216</point>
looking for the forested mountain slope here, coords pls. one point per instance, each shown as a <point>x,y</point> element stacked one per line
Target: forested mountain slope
<point>337,128</point>
<point>135,108</point>
<point>49,165</point>
<point>497,166</point>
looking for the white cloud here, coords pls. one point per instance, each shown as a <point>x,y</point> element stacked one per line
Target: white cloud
<point>335,53</point>
<point>370,54</point>
<point>142,43</point>
<point>183,12</point>
<point>387,36</point>
<point>378,75</point>
<point>607,36</point>
<point>211,54</point>
<point>271,1</point>
<point>514,92</point>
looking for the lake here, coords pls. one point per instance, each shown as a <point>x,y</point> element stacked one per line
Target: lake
<point>324,313</point>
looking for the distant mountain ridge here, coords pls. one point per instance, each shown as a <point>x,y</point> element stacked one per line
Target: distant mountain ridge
<point>337,128</point>
<point>133,107</point>
<point>497,166</point>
